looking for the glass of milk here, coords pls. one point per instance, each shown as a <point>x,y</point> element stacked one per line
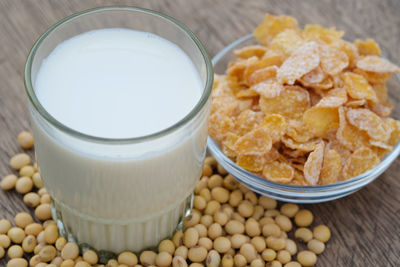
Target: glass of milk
<point>119,99</point>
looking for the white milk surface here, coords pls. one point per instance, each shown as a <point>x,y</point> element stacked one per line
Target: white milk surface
<point>119,83</point>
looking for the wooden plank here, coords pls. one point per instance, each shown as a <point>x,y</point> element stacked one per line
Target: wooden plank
<point>364,225</point>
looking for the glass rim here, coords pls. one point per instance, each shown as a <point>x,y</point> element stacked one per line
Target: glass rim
<point>214,148</point>
<point>49,118</point>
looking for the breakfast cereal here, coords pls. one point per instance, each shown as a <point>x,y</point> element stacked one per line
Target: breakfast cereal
<point>304,106</point>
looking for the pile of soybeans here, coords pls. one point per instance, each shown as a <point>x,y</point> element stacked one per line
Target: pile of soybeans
<point>228,226</point>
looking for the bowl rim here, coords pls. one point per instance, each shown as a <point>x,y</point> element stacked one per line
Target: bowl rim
<point>213,146</point>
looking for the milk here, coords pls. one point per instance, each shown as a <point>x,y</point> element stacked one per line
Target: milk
<point>119,83</point>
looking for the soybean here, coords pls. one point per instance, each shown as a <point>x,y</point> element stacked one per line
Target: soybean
<point>316,246</point>
<point>27,170</point>
<point>303,218</point>
<point>148,257</point>
<point>43,212</point>
<point>190,238</point>
<point>47,253</point>
<point>51,234</point>
<point>222,244</point>
<point>24,185</point>
<point>245,208</point>
<point>167,246</point>
<point>197,254</point>
<point>5,225</point>
<point>128,258</point>
<point>4,241</point>
<point>304,234</point>
<point>23,219</point>
<point>307,258</point>
<point>25,139</point>
<point>234,227</point>
<point>90,257</point>
<point>163,259</point>
<point>29,243</point>
<point>32,199</point>
<point>181,251</point>
<point>20,160</point>
<point>227,261</point>
<point>16,235</point>
<point>322,233</point>
<point>18,262</point>
<point>239,260</point>
<point>70,251</point>
<point>178,261</point>
<point>15,251</point>
<point>248,251</point>
<point>213,259</point>
<point>8,182</point>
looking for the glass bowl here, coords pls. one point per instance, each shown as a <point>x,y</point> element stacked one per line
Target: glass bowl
<point>294,193</point>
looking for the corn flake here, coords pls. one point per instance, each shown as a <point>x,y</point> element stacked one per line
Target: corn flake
<point>313,77</point>
<point>301,146</point>
<point>358,87</point>
<point>367,47</point>
<point>255,142</point>
<point>303,60</point>
<point>362,160</point>
<point>278,172</point>
<point>383,110</point>
<point>298,178</point>
<point>350,50</point>
<point>335,98</point>
<point>247,93</point>
<point>219,125</point>
<point>291,102</point>
<point>394,126</point>
<point>333,60</point>
<point>276,126</point>
<point>336,145</point>
<point>253,163</point>
<point>293,154</point>
<point>376,64</point>
<point>355,103</point>
<point>373,77</point>
<point>287,41</point>
<point>237,68</point>
<point>381,92</point>
<point>298,131</point>
<point>250,51</point>
<point>348,135</point>
<point>269,89</point>
<point>313,165</point>
<point>320,120</point>
<point>261,75</point>
<point>273,58</point>
<point>252,67</point>
<point>368,121</point>
<point>317,32</point>
<point>228,144</point>
<point>273,25</point>
<point>247,121</point>
<point>331,167</point>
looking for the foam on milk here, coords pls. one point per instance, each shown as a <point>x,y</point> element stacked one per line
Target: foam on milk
<point>118,83</point>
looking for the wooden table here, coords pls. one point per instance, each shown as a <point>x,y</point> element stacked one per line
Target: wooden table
<point>365,226</point>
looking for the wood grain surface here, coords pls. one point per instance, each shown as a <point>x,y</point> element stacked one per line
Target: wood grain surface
<point>365,226</point>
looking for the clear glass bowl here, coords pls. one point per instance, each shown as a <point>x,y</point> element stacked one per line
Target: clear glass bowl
<point>294,193</point>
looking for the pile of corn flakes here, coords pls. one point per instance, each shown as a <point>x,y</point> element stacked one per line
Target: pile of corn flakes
<point>304,107</point>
